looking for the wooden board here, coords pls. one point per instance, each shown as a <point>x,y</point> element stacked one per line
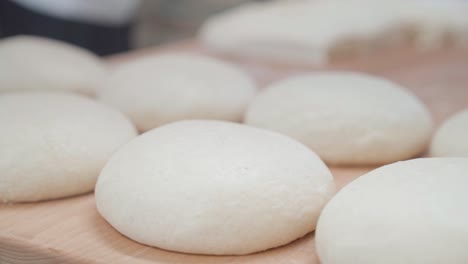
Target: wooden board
<point>71,231</point>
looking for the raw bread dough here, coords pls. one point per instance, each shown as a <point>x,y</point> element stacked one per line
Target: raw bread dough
<point>306,31</point>
<point>54,145</point>
<point>346,118</point>
<point>160,89</point>
<point>213,187</point>
<point>38,64</point>
<point>451,140</point>
<point>408,212</point>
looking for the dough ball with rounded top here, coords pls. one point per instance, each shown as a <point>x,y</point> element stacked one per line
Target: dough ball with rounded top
<point>38,64</point>
<point>160,89</point>
<point>407,212</point>
<point>213,187</point>
<point>346,118</point>
<point>451,139</point>
<point>54,145</point>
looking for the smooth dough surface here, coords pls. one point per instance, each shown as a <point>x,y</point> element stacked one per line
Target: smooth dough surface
<point>213,187</point>
<point>165,88</point>
<point>451,139</point>
<point>305,31</point>
<point>407,212</point>
<point>54,145</point>
<point>346,118</point>
<point>38,64</point>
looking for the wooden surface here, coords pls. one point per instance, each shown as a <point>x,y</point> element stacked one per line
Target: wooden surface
<point>71,231</point>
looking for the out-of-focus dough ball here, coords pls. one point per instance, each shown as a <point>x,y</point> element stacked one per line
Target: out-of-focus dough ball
<point>55,145</point>
<point>451,140</point>
<point>38,64</point>
<point>161,89</point>
<point>346,118</point>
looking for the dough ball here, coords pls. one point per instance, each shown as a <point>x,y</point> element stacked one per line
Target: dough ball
<point>54,145</point>
<point>451,140</point>
<point>346,118</point>
<point>407,212</point>
<point>38,64</point>
<point>161,89</point>
<point>213,187</point>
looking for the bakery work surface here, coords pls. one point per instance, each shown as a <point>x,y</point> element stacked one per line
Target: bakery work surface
<point>71,230</point>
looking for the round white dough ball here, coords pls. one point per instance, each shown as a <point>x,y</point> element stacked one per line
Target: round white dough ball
<point>38,64</point>
<point>346,118</point>
<point>407,212</point>
<point>161,89</point>
<point>54,145</point>
<point>213,187</point>
<point>451,140</point>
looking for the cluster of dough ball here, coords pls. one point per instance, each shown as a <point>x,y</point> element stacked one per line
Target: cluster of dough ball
<point>312,32</point>
<point>217,187</point>
<point>55,141</point>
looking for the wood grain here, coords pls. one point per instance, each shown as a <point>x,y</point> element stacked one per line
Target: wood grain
<point>71,231</point>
